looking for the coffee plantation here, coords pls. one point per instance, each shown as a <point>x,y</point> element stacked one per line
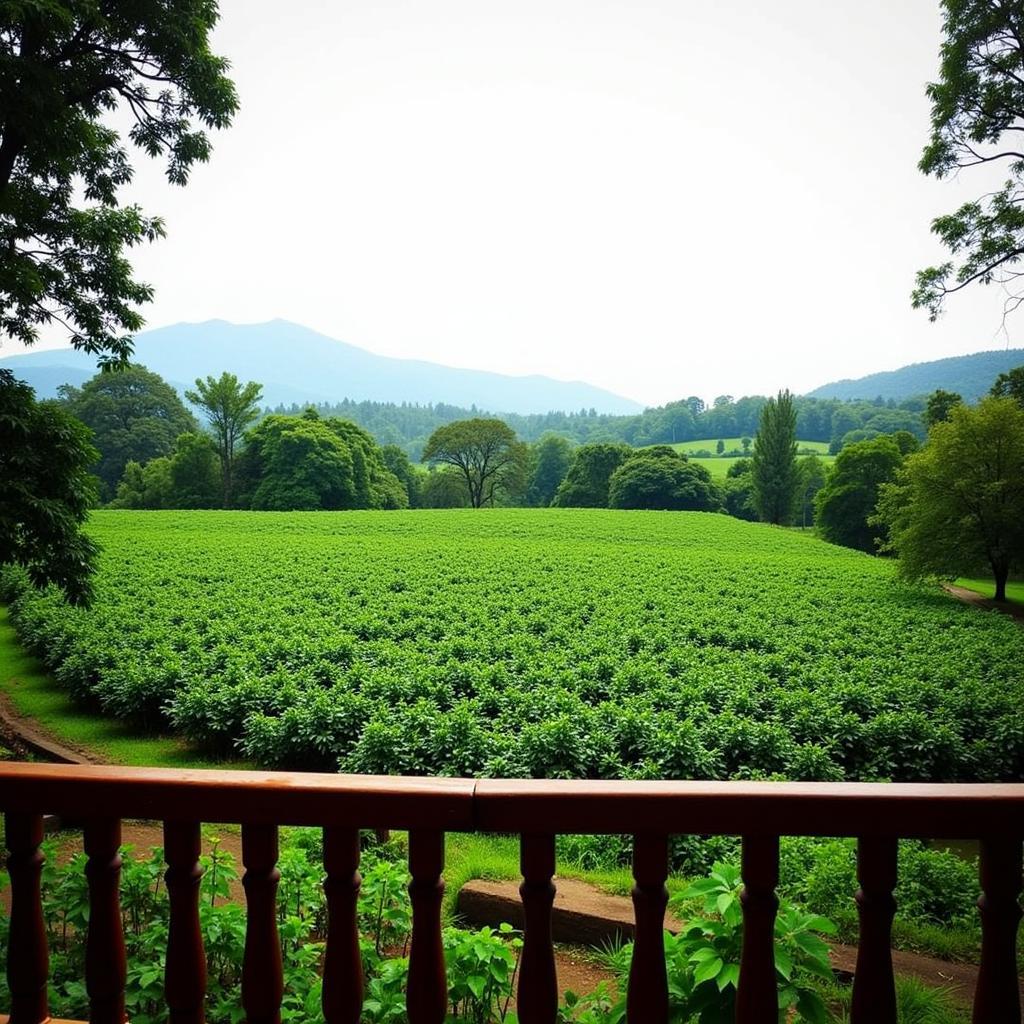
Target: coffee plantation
<point>544,643</point>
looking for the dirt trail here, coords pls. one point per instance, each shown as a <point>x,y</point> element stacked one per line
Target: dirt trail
<point>1015,611</point>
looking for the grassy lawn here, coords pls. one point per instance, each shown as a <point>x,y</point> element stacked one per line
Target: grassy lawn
<point>710,444</point>
<point>1014,589</point>
<point>34,694</point>
<point>718,467</point>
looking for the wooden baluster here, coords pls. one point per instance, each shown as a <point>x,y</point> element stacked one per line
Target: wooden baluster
<point>997,998</point>
<point>185,973</point>
<point>874,990</point>
<point>538,984</point>
<point>343,962</point>
<point>758,997</point>
<point>647,998</point>
<point>28,957</point>
<point>427,993</point>
<point>262,979</point>
<point>105,964</point>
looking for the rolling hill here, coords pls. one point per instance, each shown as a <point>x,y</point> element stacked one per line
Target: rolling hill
<point>970,376</point>
<point>296,364</point>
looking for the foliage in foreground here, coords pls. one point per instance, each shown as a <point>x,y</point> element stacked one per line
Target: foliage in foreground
<point>568,643</point>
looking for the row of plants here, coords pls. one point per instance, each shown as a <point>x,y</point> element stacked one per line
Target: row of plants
<point>577,643</point>
<point>482,964</point>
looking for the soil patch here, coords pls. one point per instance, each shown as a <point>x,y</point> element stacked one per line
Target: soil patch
<point>1015,611</point>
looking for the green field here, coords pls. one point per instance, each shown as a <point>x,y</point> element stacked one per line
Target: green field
<point>718,467</point>
<point>534,643</point>
<point>710,444</point>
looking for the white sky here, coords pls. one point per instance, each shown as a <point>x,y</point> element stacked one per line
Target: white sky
<point>662,197</point>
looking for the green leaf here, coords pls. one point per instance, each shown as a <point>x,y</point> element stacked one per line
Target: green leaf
<point>708,970</point>
<point>811,1007</point>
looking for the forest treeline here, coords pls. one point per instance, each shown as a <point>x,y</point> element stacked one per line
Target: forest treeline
<point>828,420</point>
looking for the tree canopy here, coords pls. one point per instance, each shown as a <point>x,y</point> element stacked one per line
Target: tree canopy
<point>940,405</point>
<point>231,408</point>
<point>484,451</point>
<point>1010,385</point>
<point>551,457</point>
<point>586,484</point>
<point>662,479</point>
<point>135,416</point>
<point>977,106</point>
<point>845,505</point>
<point>45,491</point>
<point>64,67</point>
<point>958,505</point>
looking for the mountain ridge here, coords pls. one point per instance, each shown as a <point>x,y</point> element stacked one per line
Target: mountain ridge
<point>969,375</point>
<point>286,357</point>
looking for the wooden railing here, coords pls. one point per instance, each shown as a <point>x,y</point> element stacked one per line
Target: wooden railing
<point>877,814</point>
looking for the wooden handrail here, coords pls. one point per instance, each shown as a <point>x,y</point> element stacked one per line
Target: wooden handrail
<point>874,813</point>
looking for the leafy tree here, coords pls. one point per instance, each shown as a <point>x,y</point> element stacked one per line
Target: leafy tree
<point>958,504</point>
<point>738,495</point>
<point>586,483</point>
<point>977,104</point>
<point>231,409</point>
<point>134,416</point>
<point>845,505</point>
<point>443,487</point>
<point>745,442</point>
<point>195,470</point>
<point>774,464</point>
<point>65,67</point>
<point>294,462</point>
<point>552,456</point>
<point>844,419</point>
<point>147,486</point>
<point>376,486</point>
<point>398,463</point>
<point>741,467</point>
<point>940,406</point>
<point>45,491</point>
<point>720,447</point>
<point>1010,385</point>
<point>663,482</point>
<point>811,476</point>
<point>484,451</point>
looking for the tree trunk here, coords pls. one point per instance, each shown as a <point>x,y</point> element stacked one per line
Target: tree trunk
<point>1002,572</point>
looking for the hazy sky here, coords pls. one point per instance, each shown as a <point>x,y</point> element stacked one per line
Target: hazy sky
<point>662,197</point>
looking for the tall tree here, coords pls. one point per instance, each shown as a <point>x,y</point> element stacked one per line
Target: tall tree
<point>958,505</point>
<point>1010,385</point>
<point>484,451</point>
<point>135,416</point>
<point>45,491</point>
<point>940,405</point>
<point>977,106</point>
<point>811,476</point>
<point>231,408</point>
<point>64,67</point>
<point>774,462</point>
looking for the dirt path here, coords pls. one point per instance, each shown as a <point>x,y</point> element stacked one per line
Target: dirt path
<point>1015,611</point>
<point>23,732</point>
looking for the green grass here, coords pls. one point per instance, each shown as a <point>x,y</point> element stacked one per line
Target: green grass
<point>1014,589</point>
<point>719,467</point>
<point>35,694</point>
<point>711,444</point>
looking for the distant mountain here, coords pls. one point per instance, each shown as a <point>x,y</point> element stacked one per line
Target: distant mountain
<point>970,376</point>
<point>296,364</point>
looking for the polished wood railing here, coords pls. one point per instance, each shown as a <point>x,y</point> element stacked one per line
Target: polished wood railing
<point>877,814</point>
